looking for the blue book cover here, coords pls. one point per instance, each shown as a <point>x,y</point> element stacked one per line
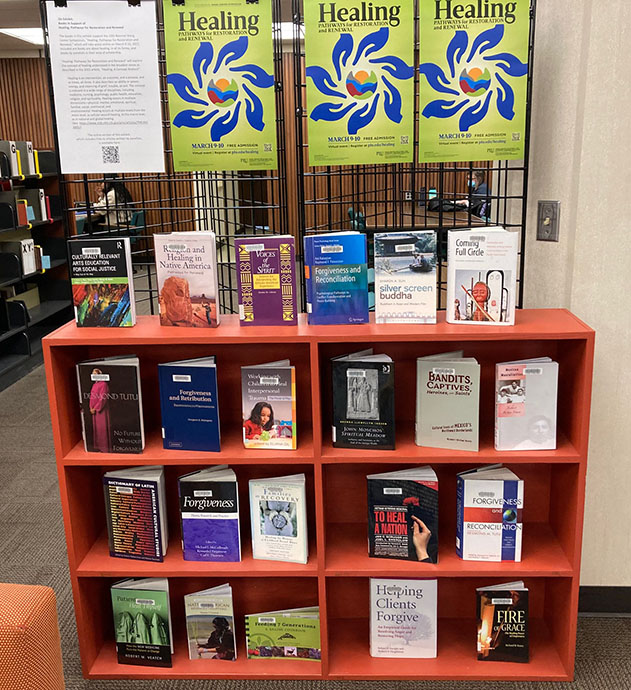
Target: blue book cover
<point>189,404</point>
<point>336,276</point>
<point>209,507</point>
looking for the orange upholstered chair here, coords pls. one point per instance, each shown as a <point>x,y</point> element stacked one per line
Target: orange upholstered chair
<point>30,649</point>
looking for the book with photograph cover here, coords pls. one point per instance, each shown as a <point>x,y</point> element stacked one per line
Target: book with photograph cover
<point>502,612</point>
<point>285,634</point>
<point>210,624</point>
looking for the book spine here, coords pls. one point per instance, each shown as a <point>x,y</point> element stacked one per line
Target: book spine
<point>308,270</point>
<point>460,517</point>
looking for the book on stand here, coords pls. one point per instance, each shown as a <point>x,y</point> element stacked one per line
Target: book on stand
<point>135,510</point>
<point>110,399</point>
<point>188,289</point>
<point>284,634</point>
<point>268,395</point>
<point>502,612</point>
<point>210,624</point>
<point>526,404</point>
<point>27,160</point>
<point>142,621</point>
<point>101,275</point>
<point>363,401</point>
<point>266,279</point>
<point>209,510</point>
<point>403,618</point>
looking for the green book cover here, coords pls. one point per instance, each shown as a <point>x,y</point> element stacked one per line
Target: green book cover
<point>291,634</point>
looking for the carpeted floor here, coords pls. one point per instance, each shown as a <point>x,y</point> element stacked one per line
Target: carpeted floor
<point>32,550</point>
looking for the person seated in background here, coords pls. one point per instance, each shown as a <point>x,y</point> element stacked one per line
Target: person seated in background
<point>113,208</point>
<point>478,201</point>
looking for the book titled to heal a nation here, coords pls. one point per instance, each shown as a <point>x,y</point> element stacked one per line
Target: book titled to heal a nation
<point>266,276</point>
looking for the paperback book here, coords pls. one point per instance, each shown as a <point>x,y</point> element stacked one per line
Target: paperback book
<point>278,514</point>
<point>186,267</point>
<point>502,612</point>
<point>336,278</point>
<point>135,509</point>
<point>403,621</point>
<point>405,277</point>
<point>209,509</point>
<point>268,395</point>
<point>189,404</point>
<point>101,275</point>
<point>482,276</point>
<point>363,401</point>
<point>266,277</point>
<point>142,622</point>
<point>526,404</point>
<point>110,399</point>
<point>447,401</point>
<point>27,159</point>
<point>285,634</point>
<point>24,249</point>
<point>403,515</point>
<point>9,149</point>
<point>489,507</point>
<point>210,624</point>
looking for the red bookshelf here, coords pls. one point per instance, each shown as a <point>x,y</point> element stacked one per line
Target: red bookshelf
<point>336,576</point>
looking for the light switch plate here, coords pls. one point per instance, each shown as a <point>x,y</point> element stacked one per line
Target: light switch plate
<point>548,221</point>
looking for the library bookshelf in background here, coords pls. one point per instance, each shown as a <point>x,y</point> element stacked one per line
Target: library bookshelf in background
<point>337,574</point>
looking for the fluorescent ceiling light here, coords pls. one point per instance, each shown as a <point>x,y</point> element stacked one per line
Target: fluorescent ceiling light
<point>287,31</point>
<point>33,35</point>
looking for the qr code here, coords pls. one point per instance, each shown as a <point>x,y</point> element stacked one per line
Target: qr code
<point>111,154</point>
<point>405,139</point>
<point>516,136</point>
<point>267,148</point>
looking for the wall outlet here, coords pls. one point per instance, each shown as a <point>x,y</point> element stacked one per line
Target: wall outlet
<point>548,221</point>
<point>408,196</point>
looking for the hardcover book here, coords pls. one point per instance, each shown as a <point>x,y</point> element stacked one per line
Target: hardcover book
<point>336,278</point>
<point>209,508</point>
<point>135,509</point>
<point>286,634</point>
<point>489,507</point>
<point>142,621</point>
<point>403,515</point>
<point>363,401</point>
<point>405,277</point>
<point>186,267</point>
<point>447,401</point>
<point>210,624</point>
<point>278,514</point>
<point>526,404</point>
<point>482,276</point>
<point>266,277</point>
<point>403,618</point>
<point>268,395</point>
<point>189,404</point>
<point>503,622</point>
<point>110,398</point>
<point>27,160</point>
<point>101,275</point>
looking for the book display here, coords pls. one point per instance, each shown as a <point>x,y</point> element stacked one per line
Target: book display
<point>503,622</point>
<point>210,625</point>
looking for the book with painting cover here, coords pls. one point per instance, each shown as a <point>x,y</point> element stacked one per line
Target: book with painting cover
<point>502,612</point>
<point>210,624</point>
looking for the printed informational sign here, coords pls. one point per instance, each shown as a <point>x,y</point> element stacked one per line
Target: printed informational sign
<point>220,75</point>
<point>473,80</point>
<point>360,81</point>
<point>104,63</point>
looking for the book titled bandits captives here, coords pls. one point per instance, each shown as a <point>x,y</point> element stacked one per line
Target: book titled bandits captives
<point>502,612</point>
<point>403,515</point>
<point>363,401</point>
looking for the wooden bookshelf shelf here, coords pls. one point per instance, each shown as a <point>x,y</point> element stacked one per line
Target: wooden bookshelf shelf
<point>337,574</point>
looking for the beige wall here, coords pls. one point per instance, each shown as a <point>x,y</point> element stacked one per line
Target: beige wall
<point>581,155</point>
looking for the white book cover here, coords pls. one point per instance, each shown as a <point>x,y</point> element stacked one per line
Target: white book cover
<point>482,276</point>
<point>210,624</point>
<point>526,404</point>
<point>405,277</point>
<point>403,618</point>
<point>278,513</point>
<point>42,205</point>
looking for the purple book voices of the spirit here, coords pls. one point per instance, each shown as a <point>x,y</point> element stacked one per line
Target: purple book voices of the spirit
<point>266,274</point>
<point>209,506</point>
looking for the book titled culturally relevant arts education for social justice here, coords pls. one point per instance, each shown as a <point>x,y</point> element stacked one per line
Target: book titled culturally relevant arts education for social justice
<point>405,277</point>
<point>268,395</point>
<point>189,404</point>
<point>210,624</point>
<point>403,515</point>
<point>186,267</point>
<point>135,510</point>
<point>110,398</point>
<point>503,624</point>
<point>209,509</point>
<point>278,515</point>
<point>142,621</point>
<point>482,276</point>
<point>447,401</point>
<point>336,278</point>
<point>266,277</point>
<point>363,401</point>
<point>284,634</point>
<point>101,276</point>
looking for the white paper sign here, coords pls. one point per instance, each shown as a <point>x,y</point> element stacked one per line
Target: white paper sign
<point>104,60</point>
